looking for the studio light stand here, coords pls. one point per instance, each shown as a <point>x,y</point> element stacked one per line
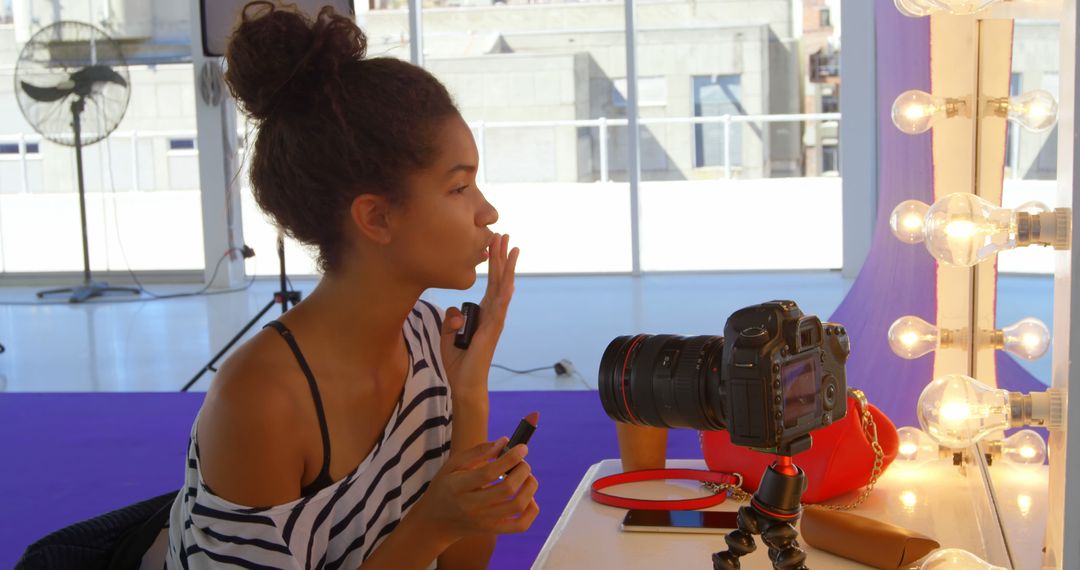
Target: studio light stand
<point>283,296</point>
<point>773,512</point>
<point>89,288</point>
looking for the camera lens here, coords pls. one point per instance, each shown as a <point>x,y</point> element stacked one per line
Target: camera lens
<point>666,381</point>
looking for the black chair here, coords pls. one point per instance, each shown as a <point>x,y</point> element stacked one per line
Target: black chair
<point>112,541</point>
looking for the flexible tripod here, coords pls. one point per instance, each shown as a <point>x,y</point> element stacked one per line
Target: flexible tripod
<point>283,296</point>
<point>773,511</point>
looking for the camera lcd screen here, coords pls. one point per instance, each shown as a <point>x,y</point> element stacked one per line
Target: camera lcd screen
<point>800,388</point>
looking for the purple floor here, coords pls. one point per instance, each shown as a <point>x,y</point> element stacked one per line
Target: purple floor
<point>73,456</point>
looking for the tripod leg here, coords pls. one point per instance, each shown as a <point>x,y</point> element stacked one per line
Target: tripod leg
<point>784,549</point>
<point>740,542</point>
<point>239,335</point>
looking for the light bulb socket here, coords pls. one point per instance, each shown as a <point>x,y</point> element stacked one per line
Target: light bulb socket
<point>998,106</point>
<point>955,106</point>
<point>1045,228</point>
<point>997,339</point>
<point>1045,409</point>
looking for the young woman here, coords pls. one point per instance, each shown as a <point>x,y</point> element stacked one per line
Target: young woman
<point>351,433</point>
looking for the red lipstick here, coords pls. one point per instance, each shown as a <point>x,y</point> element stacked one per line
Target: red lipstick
<point>523,432</point>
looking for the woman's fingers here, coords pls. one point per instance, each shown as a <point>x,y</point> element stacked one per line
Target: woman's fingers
<point>501,273</point>
<point>520,523</point>
<point>469,459</point>
<point>503,490</point>
<point>495,262</point>
<point>518,500</point>
<point>484,475</point>
<point>507,281</point>
<point>452,321</point>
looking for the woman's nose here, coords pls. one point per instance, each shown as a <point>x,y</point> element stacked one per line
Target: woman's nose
<point>488,214</point>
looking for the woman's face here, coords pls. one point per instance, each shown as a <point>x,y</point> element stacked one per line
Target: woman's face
<point>442,232</point>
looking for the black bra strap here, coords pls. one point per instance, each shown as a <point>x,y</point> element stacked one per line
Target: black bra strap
<point>287,335</point>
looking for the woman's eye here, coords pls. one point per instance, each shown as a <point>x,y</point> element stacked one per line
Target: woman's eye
<point>460,190</point>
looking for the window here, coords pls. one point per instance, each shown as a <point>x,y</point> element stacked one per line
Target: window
<point>13,148</point>
<point>1012,142</point>
<point>716,96</point>
<point>830,103</point>
<point>830,159</point>
<point>825,20</point>
<point>181,144</point>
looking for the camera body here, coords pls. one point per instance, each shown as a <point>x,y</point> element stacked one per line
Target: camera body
<point>774,377</point>
<point>782,376</point>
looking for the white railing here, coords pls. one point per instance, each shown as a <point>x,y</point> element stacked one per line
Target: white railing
<point>603,123</point>
<point>479,127</point>
<point>22,139</point>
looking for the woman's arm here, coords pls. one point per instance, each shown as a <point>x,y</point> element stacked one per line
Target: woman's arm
<point>470,429</point>
<point>250,452</point>
<point>468,370</point>
<point>462,507</point>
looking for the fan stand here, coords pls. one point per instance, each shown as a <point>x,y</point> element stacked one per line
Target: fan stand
<point>89,289</point>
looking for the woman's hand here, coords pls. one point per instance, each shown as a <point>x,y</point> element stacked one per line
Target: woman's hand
<point>466,497</point>
<point>468,369</point>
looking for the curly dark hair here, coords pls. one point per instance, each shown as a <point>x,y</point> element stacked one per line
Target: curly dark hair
<point>331,124</point>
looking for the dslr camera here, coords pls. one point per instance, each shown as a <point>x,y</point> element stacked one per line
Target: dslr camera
<point>775,376</point>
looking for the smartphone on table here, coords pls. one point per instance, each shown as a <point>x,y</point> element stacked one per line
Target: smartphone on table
<point>709,522</point>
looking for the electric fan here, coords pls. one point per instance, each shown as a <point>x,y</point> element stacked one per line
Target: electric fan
<point>72,85</point>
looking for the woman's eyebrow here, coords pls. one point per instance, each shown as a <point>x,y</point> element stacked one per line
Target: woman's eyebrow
<point>469,168</point>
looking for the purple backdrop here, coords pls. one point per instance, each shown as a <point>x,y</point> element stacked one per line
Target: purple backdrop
<point>900,279</point>
<point>897,279</point>
<point>69,457</point>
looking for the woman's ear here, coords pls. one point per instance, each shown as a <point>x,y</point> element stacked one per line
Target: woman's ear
<point>370,213</point>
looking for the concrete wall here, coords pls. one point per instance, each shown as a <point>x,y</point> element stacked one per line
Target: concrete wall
<point>532,82</point>
<point>516,87</point>
<point>675,42</point>
<point>502,63</point>
<point>777,14</point>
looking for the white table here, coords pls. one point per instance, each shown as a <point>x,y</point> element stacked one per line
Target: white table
<point>937,499</point>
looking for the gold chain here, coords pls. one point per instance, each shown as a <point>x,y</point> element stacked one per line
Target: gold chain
<point>869,427</point>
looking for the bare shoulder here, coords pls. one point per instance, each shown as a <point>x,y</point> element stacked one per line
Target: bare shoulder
<point>251,452</point>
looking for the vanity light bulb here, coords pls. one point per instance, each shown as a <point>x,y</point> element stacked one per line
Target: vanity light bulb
<point>1024,448</point>
<point>917,8</point>
<point>920,8</point>
<point>915,446</point>
<point>1035,110</point>
<point>915,111</point>
<point>963,229</point>
<point>908,221</point>
<point>956,559</point>
<point>911,337</point>
<point>956,410</point>
<point>1028,338</point>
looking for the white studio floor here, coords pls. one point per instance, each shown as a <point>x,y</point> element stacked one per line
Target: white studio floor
<point>159,345</point>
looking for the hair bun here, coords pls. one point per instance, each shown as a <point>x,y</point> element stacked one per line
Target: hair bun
<point>278,59</point>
